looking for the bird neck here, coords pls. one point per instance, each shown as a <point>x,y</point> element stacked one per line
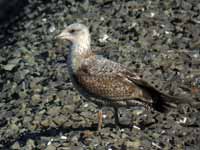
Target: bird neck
<point>81,50</point>
<point>77,55</point>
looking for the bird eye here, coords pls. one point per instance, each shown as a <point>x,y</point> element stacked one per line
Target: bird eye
<point>72,31</point>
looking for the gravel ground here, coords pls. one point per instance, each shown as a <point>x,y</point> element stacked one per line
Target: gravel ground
<point>39,107</point>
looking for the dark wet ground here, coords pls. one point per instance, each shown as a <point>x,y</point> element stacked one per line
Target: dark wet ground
<point>39,107</point>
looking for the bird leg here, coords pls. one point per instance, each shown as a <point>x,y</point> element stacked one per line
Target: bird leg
<point>100,120</point>
<point>116,116</point>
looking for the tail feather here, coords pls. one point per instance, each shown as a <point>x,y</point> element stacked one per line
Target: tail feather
<point>177,99</point>
<point>164,102</point>
<point>180,100</point>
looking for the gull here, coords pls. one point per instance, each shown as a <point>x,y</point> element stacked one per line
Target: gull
<point>108,83</point>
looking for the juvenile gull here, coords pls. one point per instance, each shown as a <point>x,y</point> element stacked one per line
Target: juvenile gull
<point>108,83</point>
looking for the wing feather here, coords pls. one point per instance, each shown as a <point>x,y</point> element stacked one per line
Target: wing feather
<point>106,79</point>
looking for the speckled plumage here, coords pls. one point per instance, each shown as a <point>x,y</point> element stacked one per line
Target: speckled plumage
<point>106,80</point>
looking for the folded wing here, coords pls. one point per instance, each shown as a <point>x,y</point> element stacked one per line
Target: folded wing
<point>105,79</point>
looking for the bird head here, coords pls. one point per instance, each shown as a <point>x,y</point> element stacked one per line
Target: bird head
<point>75,33</point>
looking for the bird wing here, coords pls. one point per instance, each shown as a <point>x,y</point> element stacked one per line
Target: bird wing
<point>109,80</point>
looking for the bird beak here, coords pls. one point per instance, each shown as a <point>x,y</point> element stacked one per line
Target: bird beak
<point>63,35</point>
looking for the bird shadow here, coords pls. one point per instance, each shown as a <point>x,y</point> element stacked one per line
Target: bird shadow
<point>51,132</point>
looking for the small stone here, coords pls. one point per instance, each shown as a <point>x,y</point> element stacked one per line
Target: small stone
<point>87,134</point>
<point>45,123</point>
<point>72,148</point>
<point>133,144</point>
<point>50,147</point>
<point>50,141</point>
<point>30,144</point>
<point>59,120</point>
<point>11,64</point>
<point>15,146</point>
<point>103,38</point>
<point>35,99</point>
<point>52,29</point>
<point>63,137</point>
<point>27,120</point>
<point>9,67</point>
<point>54,111</point>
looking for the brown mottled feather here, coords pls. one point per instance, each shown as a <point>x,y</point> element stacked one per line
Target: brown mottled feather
<point>109,82</point>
